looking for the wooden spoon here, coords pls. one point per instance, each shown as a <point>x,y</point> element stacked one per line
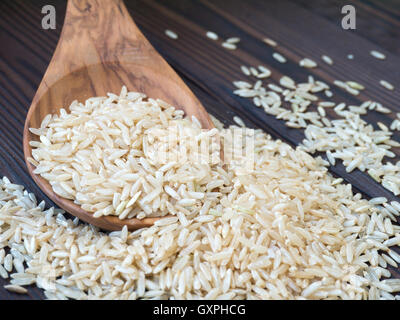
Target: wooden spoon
<point>100,50</point>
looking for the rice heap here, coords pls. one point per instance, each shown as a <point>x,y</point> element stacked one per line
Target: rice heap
<point>122,156</point>
<point>285,230</point>
<point>336,129</point>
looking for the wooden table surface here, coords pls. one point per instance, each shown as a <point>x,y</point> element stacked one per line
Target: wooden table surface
<point>303,28</point>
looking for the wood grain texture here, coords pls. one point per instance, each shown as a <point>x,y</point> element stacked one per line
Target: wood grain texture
<point>101,49</point>
<point>301,27</point>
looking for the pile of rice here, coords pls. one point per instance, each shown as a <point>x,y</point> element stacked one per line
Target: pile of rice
<point>285,230</point>
<point>129,156</point>
<point>334,128</point>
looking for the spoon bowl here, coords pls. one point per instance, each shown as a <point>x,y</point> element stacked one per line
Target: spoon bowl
<point>100,50</point>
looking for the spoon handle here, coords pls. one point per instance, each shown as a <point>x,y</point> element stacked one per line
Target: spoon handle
<point>97,32</point>
<point>104,23</point>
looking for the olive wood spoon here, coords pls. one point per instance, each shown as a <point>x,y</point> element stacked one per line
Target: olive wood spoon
<point>100,50</point>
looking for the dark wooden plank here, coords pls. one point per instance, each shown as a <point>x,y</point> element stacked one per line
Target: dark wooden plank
<point>377,20</point>
<point>302,28</point>
<point>216,67</point>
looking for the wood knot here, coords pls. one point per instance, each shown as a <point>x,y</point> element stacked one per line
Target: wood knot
<point>83,6</point>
